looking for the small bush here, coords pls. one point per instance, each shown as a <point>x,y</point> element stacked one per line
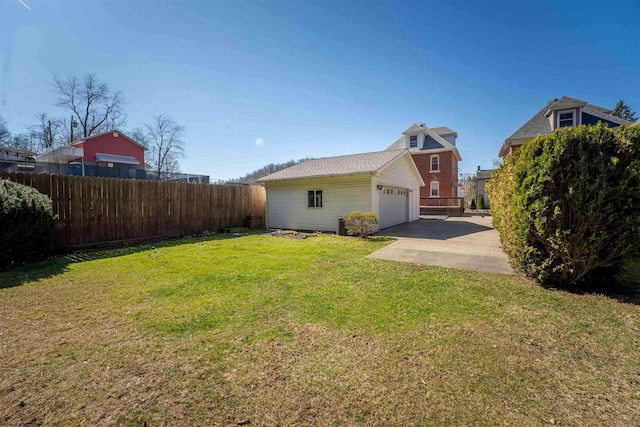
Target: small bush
<point>473,204</point>
<point>26,224</point>
<point>480,203</point>
<point>566,205</point>
<point>361,224</point>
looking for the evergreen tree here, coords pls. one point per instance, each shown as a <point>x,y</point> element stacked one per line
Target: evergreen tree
<point>623,111</point>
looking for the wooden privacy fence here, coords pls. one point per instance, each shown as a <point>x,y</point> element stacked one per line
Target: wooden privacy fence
<point>95,210</point>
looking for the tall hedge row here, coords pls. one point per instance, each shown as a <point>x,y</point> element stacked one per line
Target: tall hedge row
<point>26,224</point>
<point>567,205</point>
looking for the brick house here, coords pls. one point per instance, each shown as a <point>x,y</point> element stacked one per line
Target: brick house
<point>436,156</point>
<point>559,113</point>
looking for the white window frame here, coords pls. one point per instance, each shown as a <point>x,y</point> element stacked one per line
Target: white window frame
<point>315,203</point>
<point>413,141</point>
<point>434,187</point>
<point>434,156</point>
<point>573,118</point>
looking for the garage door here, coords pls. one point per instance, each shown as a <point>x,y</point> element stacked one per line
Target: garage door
<point>394,206</point>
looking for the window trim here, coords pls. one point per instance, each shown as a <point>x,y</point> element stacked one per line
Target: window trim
<point>411,142</point>
<point>437,188</point>
<point>573,118</point>
<point>437,156</point>
<point>312,199</point>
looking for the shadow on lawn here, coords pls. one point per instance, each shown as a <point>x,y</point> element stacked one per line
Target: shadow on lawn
<point>58,264</point>
<point>623,287</point>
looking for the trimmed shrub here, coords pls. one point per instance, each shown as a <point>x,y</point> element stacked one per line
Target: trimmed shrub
<point>360,224</point>
<point>480,203</point>
<point>566,205</point>
<point>473,204</point>
<point>26,224</point>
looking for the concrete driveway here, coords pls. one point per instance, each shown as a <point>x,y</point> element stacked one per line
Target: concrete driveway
<point>469,242</point>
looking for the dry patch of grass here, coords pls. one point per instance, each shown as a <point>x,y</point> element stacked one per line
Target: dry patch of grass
<point>305,332</point>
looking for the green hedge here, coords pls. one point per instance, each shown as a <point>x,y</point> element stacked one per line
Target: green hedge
<point>26,224</point>
<point>566,205</point>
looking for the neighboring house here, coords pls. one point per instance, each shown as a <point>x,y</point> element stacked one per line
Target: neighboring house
<point>559,113</point>
<point>316,194</point>
<point>95,154</point>
<point>436,156</point>
<point>10,154</point>
<point>483,176</point>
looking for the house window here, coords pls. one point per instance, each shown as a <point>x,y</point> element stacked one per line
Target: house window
<point>315,198</point>
<point>566,119</point>
<point>435,163</point>
<point>413,141</point>
<point>435,189</point>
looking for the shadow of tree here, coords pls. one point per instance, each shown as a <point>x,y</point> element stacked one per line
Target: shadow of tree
<point>623,287</point>
<point>60,263</point>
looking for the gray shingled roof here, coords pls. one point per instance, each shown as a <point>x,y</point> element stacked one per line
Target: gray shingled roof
<point>342,165</point>
<point>416,127</point>
<point>398,145</point>
<point>443,130</point>
<point>484,173</point>
<point>604,114</point>
<point>540,125</point>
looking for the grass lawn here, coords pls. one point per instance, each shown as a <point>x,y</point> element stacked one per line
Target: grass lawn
<point>266,331</point>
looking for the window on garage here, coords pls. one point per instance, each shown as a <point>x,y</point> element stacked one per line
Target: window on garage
<point>315,198</point>
<point>435,189</point>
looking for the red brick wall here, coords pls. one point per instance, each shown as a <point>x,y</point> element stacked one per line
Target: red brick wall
<point>446,176</point>
<point>109,144</point>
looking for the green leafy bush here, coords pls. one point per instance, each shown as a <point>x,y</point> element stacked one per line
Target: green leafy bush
<point>360,224</point>
<point>26,224</point>
<point>480,203</point>
<point>566,205</point>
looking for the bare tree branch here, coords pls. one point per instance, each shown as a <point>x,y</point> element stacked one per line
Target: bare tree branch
<point>96,107</point>
<point>164,138</point>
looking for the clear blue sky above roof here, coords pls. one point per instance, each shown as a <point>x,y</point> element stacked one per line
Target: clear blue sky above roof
<point>258,82</point>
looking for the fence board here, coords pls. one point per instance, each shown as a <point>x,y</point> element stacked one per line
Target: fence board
<point>91,210</point>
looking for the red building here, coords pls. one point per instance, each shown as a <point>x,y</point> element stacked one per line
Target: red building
<point>108,154</point>
<point>435,154</point>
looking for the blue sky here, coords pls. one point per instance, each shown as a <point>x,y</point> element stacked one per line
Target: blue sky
<point>257,82</point>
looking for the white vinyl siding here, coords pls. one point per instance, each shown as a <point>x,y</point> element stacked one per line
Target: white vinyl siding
<point>399,175</point>
<point>287,202</point>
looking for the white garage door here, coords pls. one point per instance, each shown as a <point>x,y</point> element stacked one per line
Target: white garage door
<point>394,206</point>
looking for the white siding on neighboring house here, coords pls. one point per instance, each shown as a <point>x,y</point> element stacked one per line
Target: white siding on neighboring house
<point>287,201</point>
<point>398,175</point>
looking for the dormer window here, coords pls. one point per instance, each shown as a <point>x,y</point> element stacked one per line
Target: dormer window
<point>566,119</point>
<point>413,141</point>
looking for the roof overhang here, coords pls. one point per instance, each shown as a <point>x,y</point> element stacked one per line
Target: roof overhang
<point>62,154</point>
<point>298,178</point>
<point>114,158</point>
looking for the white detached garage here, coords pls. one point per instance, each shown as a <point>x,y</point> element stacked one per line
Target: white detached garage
<point>315,194</point>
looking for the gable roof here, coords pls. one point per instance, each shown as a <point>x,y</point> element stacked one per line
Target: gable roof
<point>433,140</point>
<point>79,140</point>
<point>354,164</point>
<point>539,124</point>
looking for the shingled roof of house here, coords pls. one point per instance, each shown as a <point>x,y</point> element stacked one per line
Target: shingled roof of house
<point>539,124</point>
<point>353,164</point>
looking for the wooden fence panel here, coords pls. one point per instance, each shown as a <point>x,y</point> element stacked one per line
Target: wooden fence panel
<point>91,210</point>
